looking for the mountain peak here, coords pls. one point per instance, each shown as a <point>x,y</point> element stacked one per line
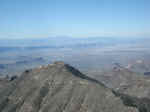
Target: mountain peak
<point>59,87</point>
<point>59,63</point>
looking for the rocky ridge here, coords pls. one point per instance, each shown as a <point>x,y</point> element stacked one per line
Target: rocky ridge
<point>59,87</point>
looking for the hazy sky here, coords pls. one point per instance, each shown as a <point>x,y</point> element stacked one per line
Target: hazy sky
<point>76,18</point>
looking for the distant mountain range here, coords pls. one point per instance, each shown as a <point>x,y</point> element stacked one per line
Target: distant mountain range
<point>69,41</point>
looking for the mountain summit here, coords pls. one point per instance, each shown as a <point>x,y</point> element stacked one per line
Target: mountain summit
<point>59,87</point>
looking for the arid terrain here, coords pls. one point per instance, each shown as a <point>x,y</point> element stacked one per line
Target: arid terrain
<point>116,78</point>
<point>91,56</point>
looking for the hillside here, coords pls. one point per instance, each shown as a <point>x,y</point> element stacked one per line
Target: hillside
<point>59,88</point>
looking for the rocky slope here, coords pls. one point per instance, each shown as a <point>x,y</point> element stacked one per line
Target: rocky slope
<point>126,81</point>
<point>61,88</point>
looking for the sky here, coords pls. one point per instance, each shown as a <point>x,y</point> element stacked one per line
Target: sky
<point>75,18</point>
